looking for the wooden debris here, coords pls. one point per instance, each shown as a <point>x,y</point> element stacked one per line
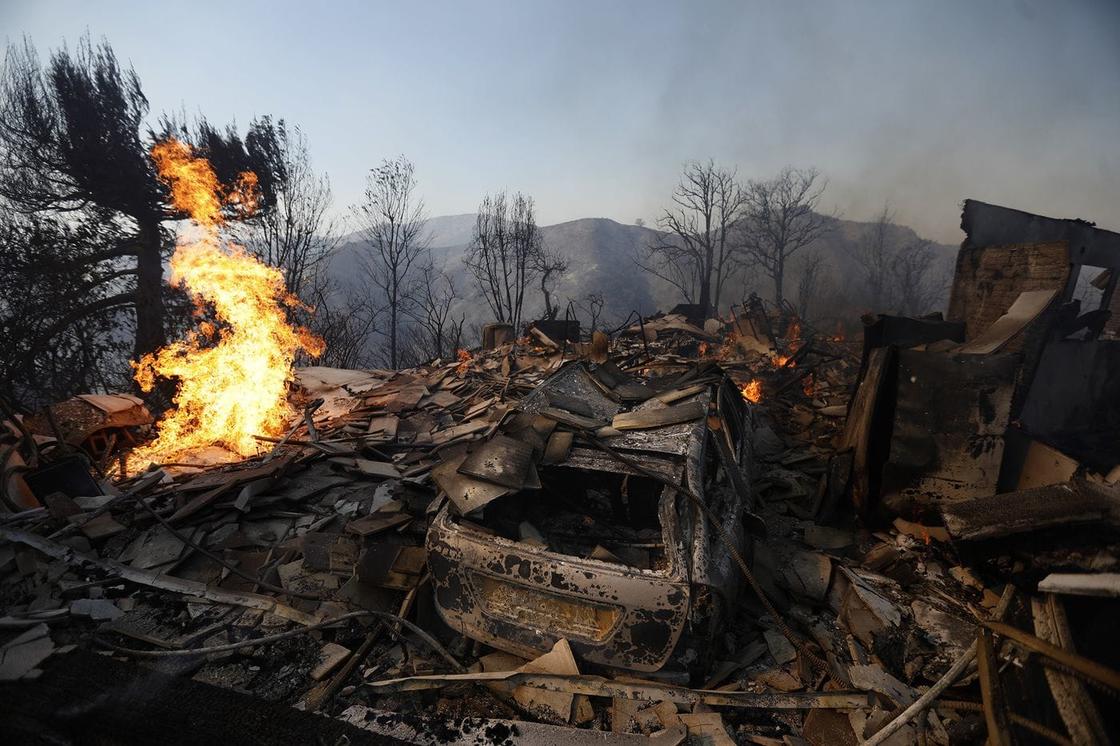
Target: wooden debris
<point>995,706</point>
<point>595,686</point>
<point>645,419</point>
<point>1106,584</point>
<point>20,656</point>
<point>156,580</point>
<point>330,657</point>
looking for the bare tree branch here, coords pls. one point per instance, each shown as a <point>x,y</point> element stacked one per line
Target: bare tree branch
<point>440,331</point>
<point>874,254</point>
<point>782,219</point>
<point>698,252</point>
<point>506,254</point>
<point>810,283</point>
<point>391,220</point>
<point>298,235</point>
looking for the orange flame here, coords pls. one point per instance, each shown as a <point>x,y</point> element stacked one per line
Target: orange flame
<point>778,360</point>
<point>232,374</point>
<point>465,359</point>
<point>809,386</point>
<point>752,391</point>
<point>702,349</point>
<point>793,333</point>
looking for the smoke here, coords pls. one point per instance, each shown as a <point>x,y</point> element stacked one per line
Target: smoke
<point>918,104</point>
<point>593,107</point>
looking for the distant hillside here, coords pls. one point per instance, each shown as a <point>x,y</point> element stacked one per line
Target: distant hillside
<point>601,255</point>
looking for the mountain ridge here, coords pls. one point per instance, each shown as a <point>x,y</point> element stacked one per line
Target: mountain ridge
<point>601,254</point>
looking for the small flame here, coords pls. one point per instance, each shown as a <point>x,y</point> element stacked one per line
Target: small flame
<point>232,374</point>
<point>752,391</point>
<point>465,359</point>
<point>779,361</point>
<point>702,350</point>
<point>793,333</point>
<point>809,386</point>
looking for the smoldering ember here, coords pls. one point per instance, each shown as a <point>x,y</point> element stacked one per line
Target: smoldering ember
<point>756,473</point>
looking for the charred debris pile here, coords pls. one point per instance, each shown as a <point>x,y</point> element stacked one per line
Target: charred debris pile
<point>737,530</point>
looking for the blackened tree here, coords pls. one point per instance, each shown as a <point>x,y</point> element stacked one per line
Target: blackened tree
<point>41,298</point>
<point>438,328</point>
<point>299,235</point>
<point>697,250</point>
<point>874,255</point>
<point>74,145</point>
<point>549,265</point>
<point>505,254</point>
<point>391,222</point>
<point>781,219</point>
<point>919,283</point>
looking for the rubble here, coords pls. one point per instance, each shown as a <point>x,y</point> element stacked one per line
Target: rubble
<point>734,530</point>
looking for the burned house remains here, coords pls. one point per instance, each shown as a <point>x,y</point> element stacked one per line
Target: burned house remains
<point>689,530</point>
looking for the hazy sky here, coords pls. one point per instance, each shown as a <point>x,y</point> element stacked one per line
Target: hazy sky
<point>592,107</point>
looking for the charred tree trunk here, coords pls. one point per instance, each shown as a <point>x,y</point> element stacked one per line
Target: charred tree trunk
<point>150,334</point>
<point>705,300</point>
<point>393,334</point>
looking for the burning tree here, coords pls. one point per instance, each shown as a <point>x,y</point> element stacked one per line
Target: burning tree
<point>299,237</point>
<point>299,234</point>
<point>72,149</point>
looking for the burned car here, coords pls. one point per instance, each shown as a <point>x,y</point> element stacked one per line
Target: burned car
<point>576,543</point>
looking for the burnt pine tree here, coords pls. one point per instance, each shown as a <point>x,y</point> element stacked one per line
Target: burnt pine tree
<point>35,292</point>
<point>74,144</point>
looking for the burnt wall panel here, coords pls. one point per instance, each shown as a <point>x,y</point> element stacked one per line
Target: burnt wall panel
<point>989,279</point>
<point>1112,327</point>
<point>1074,402</point>
<point>951,414</point>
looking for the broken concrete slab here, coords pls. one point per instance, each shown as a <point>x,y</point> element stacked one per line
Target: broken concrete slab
<point>20,656</point>
<point>781,649</point>
<point>97,609</point>
<point>808,574</point>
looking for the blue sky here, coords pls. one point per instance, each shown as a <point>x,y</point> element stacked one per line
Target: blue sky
<point>592,107</point>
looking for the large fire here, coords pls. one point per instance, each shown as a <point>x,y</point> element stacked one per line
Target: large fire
<point>233,370</point>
